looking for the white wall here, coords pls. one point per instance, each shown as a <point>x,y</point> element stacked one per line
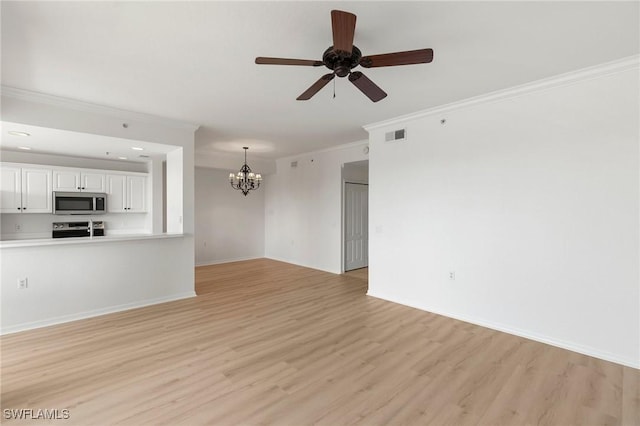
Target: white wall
<point>123,275</point>
<point>155,195</point>
<point>69,282</point>
<point>175,216</point>
<point>304,208</point>
<point>229,226</point>
<point>532,200</point>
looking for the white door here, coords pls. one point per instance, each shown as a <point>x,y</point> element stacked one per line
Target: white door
<point>136,194</point>
<point>66,181</point>
<point>92,182</point>
<point>36,191</point>
<point>11,199</point>
<point>116,190</point>
<point>356,226</point>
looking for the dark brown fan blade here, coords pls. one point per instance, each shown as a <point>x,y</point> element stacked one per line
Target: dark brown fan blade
<point>367,86</point>
<point>343,25</point>
<point>421,56</point>
<point>282,61</point>
<point>315,87</point>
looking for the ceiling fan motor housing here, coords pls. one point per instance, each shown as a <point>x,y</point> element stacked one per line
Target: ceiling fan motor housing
<point>341,62</point>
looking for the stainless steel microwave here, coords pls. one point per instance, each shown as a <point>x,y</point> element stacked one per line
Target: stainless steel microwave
<point>79,203</point>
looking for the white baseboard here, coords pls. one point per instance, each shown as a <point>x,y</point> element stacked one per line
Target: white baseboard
<point>233,259</point>
<point>94,313</point>
<point>302,264</point>
<point>574,347</point>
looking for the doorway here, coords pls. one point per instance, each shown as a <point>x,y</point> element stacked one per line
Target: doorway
<point>356,215</point>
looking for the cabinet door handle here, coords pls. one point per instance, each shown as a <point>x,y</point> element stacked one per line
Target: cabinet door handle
<point>19,208</point>
<point>78,188</point>
<point>83,187</point>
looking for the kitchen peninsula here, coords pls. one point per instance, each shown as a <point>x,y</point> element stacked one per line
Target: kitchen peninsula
<point>147,253</point>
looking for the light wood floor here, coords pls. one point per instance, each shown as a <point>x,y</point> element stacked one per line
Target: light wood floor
<point>362,274</point>
<point>271,343</point>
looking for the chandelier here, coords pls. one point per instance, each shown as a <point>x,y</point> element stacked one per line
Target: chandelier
<point>245,180</point>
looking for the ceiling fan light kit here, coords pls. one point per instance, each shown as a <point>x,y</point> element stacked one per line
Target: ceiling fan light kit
<point>343,57</point>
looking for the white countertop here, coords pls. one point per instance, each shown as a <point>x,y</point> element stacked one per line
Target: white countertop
<point>82,240</point>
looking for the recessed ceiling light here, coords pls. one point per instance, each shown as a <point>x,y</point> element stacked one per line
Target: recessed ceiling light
<point>122,158</point>
<point>137,148</point>
<point>26,148</point>
<point>19,133</point>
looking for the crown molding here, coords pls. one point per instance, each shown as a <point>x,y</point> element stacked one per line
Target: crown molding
<point>45,99</point>
<point>229,161</point>
<point>584,74</point>
<point>348,145</point>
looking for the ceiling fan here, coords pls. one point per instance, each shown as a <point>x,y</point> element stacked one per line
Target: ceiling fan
<point>343,56</point>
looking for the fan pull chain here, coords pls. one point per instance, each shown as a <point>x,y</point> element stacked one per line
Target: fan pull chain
<point>334,88</point>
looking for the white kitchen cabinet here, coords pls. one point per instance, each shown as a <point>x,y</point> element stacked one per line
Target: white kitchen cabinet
<point>36,191</point>
<point>126,193</point>
<point>93,182</point>
<point>26,190</point>
<point>70,180</point>
<point>116,193</point>
<point>11,186</point>
<point>137,194</point>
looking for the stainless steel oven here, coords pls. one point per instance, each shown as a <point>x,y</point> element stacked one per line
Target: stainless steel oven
<point>78,229</point>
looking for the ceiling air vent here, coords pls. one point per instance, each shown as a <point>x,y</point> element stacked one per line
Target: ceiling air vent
<point>395,135</point>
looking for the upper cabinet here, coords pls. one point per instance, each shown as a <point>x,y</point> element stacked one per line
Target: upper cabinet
<point>11,186</point>
<point>36,191</point>
<point>126,193</point>
<point>28,188</point>
<point>69,180</point>
<point>137,193</point>
<point>25,189</point>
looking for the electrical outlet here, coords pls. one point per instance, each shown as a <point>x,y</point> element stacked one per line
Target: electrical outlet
<point>23,283</point>
<point>18,227</point>
<point>452,275</point>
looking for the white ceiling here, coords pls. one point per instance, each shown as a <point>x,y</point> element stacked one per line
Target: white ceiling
<point>75,144</point>
<point>193,61</point>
